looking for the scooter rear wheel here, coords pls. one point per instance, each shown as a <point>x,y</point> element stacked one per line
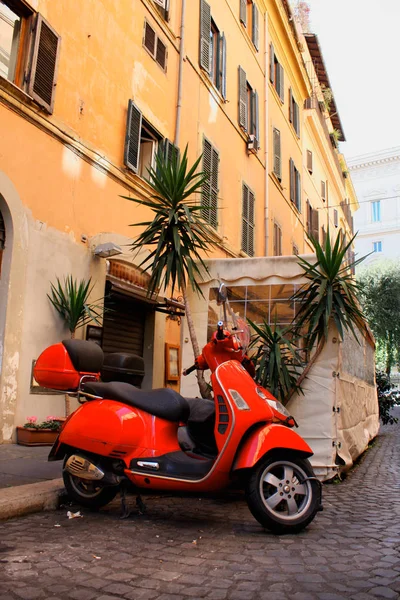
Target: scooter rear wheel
<point>280,495</point>
<point>88,493</point>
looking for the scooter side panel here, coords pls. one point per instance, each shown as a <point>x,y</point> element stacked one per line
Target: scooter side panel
<point>267,438</point>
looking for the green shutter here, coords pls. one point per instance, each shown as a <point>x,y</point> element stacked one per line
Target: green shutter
<point>132,137</point>
<point>205,29</point>
<point>243,109</point>
<point>255,33</point>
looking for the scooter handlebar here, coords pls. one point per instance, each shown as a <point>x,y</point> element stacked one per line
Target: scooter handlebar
<point>220,331</point>
<point>189,370</point>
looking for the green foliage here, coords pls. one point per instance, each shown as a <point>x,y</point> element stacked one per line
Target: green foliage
<point>380,298</point>
<point>70,299</point>
<point>387,398</point>
<point>178,233</point>
<point>51,423</point>
<point>330,293</point>
<point>276,359</point>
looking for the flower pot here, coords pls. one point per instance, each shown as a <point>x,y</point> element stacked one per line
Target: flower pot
<point>27,436</point>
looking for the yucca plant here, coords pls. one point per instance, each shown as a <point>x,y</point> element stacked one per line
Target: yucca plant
<point>178,234</point>
<point>329,296</point>
<point>277,359</point>
<point>70,299</point>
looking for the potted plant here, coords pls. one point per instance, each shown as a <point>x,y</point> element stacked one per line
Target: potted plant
<point>39,434</point>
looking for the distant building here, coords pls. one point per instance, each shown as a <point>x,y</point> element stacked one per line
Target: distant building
<point>376,178</point>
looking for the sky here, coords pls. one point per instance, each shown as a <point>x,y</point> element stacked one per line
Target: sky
<point>360,42</point>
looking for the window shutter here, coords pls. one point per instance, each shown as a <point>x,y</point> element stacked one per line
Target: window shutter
<point>315,224</point>
<point>243,12</point>
<point>170,151</point>
<point>309,161</point>
<point>149,40</point>
<point>292,181</point>
<point>205,29</point>
<point>206,188</point>
<point>44,65</point>
<point>335,218</point>
<point>250,250</point>
<point>214,188</point>
<point>243,111</point>
<point>296,116</point>
<point>298,190</point>
<point>308,217</point>
<point>281,90</point>
<point>277,153</point>
<point>255,32</point>
<point>271,64</point>
<point>222,65</point>
<point>210,187</point>
<point>254,126</point>
<point>132,138</point>
<point>275,249</point>
<point>290,106</point>
<point>323,191</point>
<point>245,211</point>
<point>161,54</point>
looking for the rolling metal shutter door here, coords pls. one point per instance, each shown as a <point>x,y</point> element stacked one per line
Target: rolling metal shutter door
<point>123,325</point>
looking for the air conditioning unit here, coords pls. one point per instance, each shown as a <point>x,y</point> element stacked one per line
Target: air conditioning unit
<point>252,144</point>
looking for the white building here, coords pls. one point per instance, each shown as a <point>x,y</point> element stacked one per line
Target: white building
<point>376,178</point>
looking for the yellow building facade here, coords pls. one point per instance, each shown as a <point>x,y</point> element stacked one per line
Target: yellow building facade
<point>89,92</point>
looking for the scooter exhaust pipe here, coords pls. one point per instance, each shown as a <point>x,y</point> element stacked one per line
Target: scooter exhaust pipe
<point>83,468</point>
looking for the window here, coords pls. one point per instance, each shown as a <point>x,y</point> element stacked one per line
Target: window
<point>209,195</point>
<point>324,190</point>
<point>277,240</point>
<point>294,115</point>
<point>309,161</point>
<point>377,246</point>
<point>249,17</point>
<point>156,48</point>
<point>276,75</point>
<point>376,211</point>
<point>212,49</point>
<point>248,202</point>
<point>29,50</point>
<point>248,108</point>
<point>163,8</point>
<point>142,142</point>
<point>277,169</point>
<point>312,222</point>
<point>295,185</point>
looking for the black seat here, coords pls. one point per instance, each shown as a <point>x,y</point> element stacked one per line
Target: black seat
<point>164,403</point>
<point>87,357</point>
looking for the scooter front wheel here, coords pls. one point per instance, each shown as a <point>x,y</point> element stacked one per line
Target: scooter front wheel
<point>88,493</point>
<point>280,494</point>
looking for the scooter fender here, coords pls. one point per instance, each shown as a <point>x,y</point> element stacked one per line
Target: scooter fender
<point>267,438</point>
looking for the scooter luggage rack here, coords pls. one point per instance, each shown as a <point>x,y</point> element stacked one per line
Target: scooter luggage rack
<point>80,392</point>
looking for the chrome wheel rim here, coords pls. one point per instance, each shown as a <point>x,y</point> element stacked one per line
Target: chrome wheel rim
<point>86,489</point>
<point>284,491</point>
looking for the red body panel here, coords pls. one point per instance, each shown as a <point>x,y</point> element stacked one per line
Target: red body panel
<point>268,438</point>
<point>54,369</point>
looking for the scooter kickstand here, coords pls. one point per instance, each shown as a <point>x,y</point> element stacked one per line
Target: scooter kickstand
<point>141,505</point>
<point>125,512</point>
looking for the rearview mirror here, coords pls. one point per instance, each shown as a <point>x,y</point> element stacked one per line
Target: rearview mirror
<point>222,294</point>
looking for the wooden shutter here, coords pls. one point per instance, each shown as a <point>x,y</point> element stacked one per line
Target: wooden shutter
<point>243,12</point>
<point>323,232</point>
<point>161,54</point>
<point>170,151</point>
<point>132,137</point>
<point>254,126</point>
<point>298,189</point>
<point>281,88</point>
<point>296,117</point>
<point>277,153</point>
<point>44,64</point>
<point>335,218</point>
<point>309,161</point>
<point>222,65</point>
<point>209,198</point>
<point>248,201</point>
<point>292,180</point>
<point>271,64</point>
<point>214,188</point>
<point>255,32</point>
<point>123,324</point>
<point>308,217</point>
<point>243,110</point>
<point>250,251</point>
<point>315,224</point>
<point>149,39</point>
<point>323,191</point>
<point>205,42</point>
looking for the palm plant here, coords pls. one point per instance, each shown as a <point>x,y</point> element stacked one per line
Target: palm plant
<point>178,234</point>
<point>277,359</point>
<point>329,296</point>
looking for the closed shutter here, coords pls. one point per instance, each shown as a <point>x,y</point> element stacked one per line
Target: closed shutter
<point>149,40</point>
<point>209,198</point>
<point>277,153</point>
<point>255,129</point>
<point>222,65</point>
<point>214,188</point>
<point>255,33</point>
<point>315,224</point>
<point>132,137</point>
<point>271,64</point>
<point>123,324</point>
<point>205,42</point>
<point>243,12</point>
<point>292,180</point>
<point>161,54</point>
<point>248,201</point>
<point>250,251</point>
<point>243,111</point>
<point>44,65</point>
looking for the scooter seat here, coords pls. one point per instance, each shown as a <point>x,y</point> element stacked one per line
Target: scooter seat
<point>164,403</point>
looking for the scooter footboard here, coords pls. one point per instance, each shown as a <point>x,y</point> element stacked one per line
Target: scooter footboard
<point>268,438</point>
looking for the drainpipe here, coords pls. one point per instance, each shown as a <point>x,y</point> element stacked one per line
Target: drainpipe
<point>180,76</point>
<point>266,135</point>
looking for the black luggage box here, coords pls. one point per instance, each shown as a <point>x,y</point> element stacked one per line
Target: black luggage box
<point>121,366</point>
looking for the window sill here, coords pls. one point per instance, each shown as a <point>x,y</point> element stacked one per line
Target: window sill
<point>16,92</point>
<point>212,88</point>
<point>276,180</point>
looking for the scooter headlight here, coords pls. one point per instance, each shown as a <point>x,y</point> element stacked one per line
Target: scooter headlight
<point>276,405</point>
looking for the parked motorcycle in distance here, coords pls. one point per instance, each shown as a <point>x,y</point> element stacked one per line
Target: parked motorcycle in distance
<point>158,440</point>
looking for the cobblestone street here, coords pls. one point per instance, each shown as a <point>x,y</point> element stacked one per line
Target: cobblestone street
<point>214,549</point>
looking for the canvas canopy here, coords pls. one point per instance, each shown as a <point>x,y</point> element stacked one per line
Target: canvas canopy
<point>338,413</point>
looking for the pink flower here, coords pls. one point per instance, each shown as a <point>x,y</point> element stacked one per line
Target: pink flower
<point>51,418</point>
<point>31,419</point>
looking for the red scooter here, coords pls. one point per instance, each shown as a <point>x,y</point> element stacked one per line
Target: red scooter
<point>158,440</point>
